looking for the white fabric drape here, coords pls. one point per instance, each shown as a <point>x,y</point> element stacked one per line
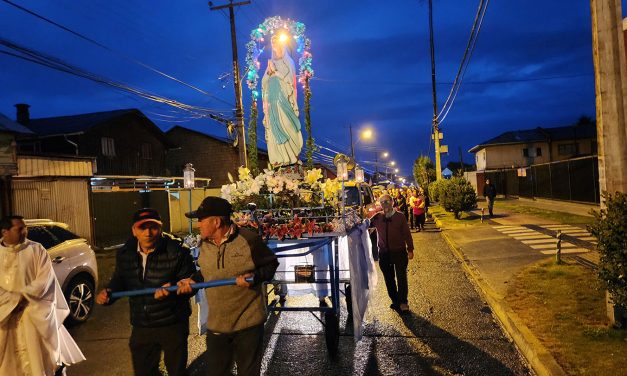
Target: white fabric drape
<point>33,340</point>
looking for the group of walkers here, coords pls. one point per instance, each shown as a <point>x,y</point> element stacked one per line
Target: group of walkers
<point>33,340</point>
<point>413,203</point>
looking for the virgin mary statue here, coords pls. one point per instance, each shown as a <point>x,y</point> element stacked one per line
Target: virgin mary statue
<point>281,123</point>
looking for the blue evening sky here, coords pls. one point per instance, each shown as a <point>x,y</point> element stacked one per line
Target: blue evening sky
<point>532,65</point>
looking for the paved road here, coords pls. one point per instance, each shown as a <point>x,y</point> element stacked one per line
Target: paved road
<point>450,332</point>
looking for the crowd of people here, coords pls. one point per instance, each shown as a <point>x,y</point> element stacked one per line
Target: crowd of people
<point>412,202</point>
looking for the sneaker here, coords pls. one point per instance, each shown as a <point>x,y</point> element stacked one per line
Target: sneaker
<point>404,307</point>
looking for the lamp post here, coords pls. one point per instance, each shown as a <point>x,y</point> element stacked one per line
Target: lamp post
<point>365,134</point>
<point>359,174</point>
<point>188,183</point>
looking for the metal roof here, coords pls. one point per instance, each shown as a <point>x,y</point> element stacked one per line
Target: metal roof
<point>540,134</point>
<point>9,125</point>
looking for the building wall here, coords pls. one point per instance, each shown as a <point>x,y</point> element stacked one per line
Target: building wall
<point>129,133</point>
<point>59,199</point>
<point>212,158</point>
<point>508,156</point>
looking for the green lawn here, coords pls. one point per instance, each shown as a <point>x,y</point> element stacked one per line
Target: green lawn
<point>564,306</point>
<point>516,206</point>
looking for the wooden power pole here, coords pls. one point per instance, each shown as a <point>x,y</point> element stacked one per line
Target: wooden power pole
<point>237,83</point>
<point>610,77</point>
<point>436,127</point>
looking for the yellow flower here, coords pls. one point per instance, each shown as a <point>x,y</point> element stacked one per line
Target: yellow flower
<point>244,173</point>
<point>312,176</point>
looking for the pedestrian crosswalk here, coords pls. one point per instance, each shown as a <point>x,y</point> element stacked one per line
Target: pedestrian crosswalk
<point>543,239</point>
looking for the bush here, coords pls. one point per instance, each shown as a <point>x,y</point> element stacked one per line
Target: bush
<point>610,229</point>
<point>457,196</point>
<point>436,188</point>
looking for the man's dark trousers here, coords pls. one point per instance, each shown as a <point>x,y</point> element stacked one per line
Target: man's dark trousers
<point>244,347</point>
<point>146,345</point>
<point>394,268</point>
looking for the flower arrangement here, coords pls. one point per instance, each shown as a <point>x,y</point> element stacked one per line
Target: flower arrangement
<point>276,195</point>
<point>275,189</point>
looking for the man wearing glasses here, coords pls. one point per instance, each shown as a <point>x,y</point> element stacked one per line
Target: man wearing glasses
<point>396,248</point>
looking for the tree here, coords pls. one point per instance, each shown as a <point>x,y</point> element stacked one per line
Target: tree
<point>610,228</point>
<point>458,196</point>
<point>424,172</point>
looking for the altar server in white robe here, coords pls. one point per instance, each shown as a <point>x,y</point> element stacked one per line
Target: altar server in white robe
<point>33,340</point>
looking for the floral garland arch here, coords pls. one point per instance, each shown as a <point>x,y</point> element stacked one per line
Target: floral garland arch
<point>255,48</point>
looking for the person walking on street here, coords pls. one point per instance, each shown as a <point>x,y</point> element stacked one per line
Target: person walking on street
<point>152,258</point>
<point>411,199</point>
<point>395,249</point>
<point>489,192</point>
<point>237,313</point>
<point>419,211</point>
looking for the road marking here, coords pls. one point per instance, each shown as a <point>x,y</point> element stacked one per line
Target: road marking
<point>551,246</point>
<point>588,238</point>
<point>529,237</point>
<point>538,241</point>
<point>546,244</point>
<point>569,250</point>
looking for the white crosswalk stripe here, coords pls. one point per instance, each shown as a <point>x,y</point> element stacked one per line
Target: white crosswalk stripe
<point>544,243</point>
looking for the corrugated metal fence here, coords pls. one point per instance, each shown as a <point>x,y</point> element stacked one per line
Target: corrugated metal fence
<point>571,180</point>
<point>63,200</point>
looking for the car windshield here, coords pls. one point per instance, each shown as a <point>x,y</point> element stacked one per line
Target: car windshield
<point>42,236</point>
<point>49,236</point>
<point>352,196</point>
<point>61,233</point>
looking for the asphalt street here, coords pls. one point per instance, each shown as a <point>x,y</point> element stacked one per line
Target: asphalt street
<point>450,331</point>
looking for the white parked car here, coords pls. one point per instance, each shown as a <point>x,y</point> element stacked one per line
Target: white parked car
<point>74,263</point>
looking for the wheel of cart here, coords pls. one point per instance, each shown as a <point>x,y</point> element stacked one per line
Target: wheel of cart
<point>332,332</point>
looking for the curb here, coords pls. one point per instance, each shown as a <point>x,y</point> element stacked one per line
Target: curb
<point>538,357</point>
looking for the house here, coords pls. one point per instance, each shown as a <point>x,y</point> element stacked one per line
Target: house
<point>8,159</point>
<point>124,142</point>
<point>212,157</point>
<point>523,148</point>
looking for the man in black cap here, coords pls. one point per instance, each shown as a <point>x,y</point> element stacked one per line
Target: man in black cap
<point>236,313</point>
<point>152,258</point>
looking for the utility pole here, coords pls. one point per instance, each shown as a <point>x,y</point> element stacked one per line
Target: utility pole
<point>239,109</point>
<point>350,131</point>
<point>436,130</point>
<point>461,160</point>
<point>610,76</point>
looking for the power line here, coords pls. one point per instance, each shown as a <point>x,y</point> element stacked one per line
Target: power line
<point>126,57</point>
<point>470,46</point>
<point>36,57</point>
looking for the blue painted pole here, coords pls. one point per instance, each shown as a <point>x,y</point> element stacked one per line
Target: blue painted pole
<point>195,286</point>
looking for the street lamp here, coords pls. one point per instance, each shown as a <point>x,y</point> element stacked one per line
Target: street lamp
<point>188,183</point>
<point>365,134</point>
<point>359,174</point>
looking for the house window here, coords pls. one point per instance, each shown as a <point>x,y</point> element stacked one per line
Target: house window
<point>532,152</point>
<point>566,149</point>
<point>146,151</point>
<point>108,146</point>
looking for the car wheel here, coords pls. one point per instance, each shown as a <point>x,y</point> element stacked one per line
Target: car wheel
<point>80,298</point>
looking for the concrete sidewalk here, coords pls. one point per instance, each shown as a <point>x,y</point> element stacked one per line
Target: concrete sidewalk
<point>493,252</point>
